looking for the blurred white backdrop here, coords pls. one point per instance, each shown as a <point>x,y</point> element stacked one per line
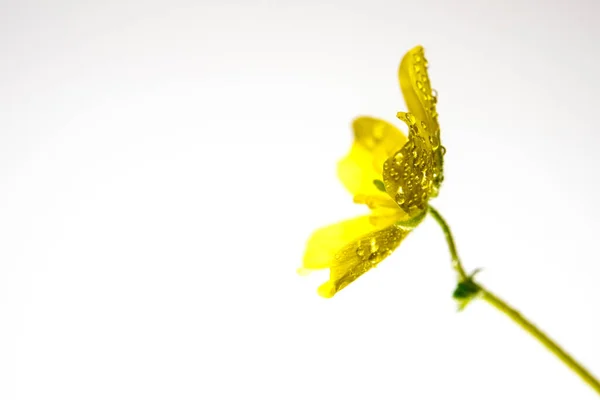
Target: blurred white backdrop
<point>163,163</point>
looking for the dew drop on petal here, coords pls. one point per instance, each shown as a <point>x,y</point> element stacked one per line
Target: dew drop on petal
<point>374,245</point>
<point>399,198</point>
<point>398,158</point>
<point>410,118</point>
<point>434,141</point>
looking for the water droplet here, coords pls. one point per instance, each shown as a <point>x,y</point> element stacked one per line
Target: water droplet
<point>374,245</point>
<point>399,198</point>
<point>360,251</point>
<point>409,118</point>
<point>398,158</point>
<point>443,150</point>
<point>417,58</point>
<point>435,142</point>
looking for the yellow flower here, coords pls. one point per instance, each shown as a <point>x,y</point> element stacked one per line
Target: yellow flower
<point>393,175</point>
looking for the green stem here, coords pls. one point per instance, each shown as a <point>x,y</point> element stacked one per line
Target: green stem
<point>456,263</point>
<point>513,314</point>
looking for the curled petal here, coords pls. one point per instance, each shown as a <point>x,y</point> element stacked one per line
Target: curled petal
<point>416,88</point>
<point>374,141</point>
<point>421,101</point>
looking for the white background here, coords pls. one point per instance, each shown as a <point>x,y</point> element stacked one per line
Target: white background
<point>162,165</point>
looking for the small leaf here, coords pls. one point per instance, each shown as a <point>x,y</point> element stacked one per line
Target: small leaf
<point>466,290</point>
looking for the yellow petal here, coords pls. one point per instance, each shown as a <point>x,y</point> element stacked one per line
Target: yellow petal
<point>359,256</point>
<point>416,88</point>
<point>408,175</point>
<point>352,247</point>
<point>324,243</point>
<point>421,101</point>
<point>374,141</point>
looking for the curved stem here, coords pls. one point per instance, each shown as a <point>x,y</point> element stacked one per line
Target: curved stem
<point>513,314</point>
<point>456,263</point>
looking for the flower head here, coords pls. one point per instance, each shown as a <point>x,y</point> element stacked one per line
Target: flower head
<point>394,175</point>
